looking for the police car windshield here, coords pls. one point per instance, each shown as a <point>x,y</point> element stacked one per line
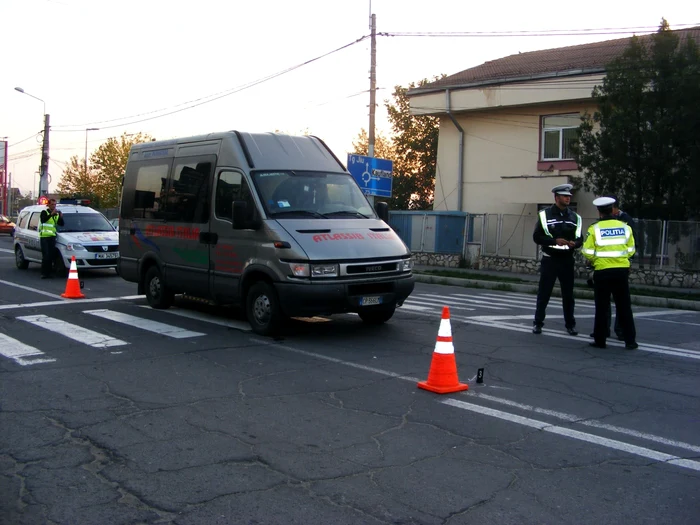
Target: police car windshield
<point>311,194</point>
<point>85,222</point>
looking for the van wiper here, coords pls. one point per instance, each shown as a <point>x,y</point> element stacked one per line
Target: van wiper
<point>305,213</point>
<point>348,212</point>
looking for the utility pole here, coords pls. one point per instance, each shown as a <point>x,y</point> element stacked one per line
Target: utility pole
<point>372,84</point>
<point>44,175</point>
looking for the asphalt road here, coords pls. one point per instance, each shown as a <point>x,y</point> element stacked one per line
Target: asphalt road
<point>114,413</point>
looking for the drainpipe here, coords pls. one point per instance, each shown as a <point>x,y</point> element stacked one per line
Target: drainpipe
<point>460,159</point>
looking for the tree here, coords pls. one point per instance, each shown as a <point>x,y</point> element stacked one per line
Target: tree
<point>415,142</point>
<point>383,148</point>
<point>102,181</point>
<point>643,142</point>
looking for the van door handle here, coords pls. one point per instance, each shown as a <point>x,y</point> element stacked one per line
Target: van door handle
<point>208,237</point>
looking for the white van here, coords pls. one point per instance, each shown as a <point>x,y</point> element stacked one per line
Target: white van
<point>270,221</point>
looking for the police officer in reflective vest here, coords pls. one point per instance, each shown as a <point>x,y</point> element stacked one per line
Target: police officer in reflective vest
<point>609,246</point>
<point>559,232</point>
<point>49,219</point>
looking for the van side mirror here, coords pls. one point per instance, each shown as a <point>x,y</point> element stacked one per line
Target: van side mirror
<point>382,209</point>
<point>243,219</point>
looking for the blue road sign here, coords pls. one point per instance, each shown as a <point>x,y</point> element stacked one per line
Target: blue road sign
<point>372,174</point>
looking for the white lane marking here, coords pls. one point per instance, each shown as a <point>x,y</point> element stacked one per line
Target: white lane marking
<point>5,250</point>
<point>674,322</point>
<point>571,418</point>
<point>442,298</point>
<point>437,304</point>
<point>72,331</point>
<point>144,324</point>
<point>199,316</point>
<point>417,308</point>
<point>20,352</point>
<point>69,301</point>
<point>576,434</point>
<point>567,417</point>
<point>522,302</point>
<point>30,289</point>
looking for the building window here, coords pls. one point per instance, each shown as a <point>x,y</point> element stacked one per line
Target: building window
<point>559,134</point>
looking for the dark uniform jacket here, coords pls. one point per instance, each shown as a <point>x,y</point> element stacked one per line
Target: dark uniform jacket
<point>554,224</point>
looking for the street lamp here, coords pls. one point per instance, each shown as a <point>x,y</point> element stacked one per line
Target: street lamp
<point>86,135</point>
<point>44,167</point>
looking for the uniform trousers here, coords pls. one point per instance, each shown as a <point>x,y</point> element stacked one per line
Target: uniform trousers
<point>551,269</point>
<point>613,281</point>
<point>48,249</point>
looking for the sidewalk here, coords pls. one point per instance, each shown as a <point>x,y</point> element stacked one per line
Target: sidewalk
<point>527,283</point>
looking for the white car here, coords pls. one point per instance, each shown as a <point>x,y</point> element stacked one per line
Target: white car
<point>85,234</point>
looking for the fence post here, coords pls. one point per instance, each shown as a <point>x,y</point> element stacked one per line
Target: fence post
<point>466,233</point>
<point>499,227</point>
<point>422,233</point>
<point>663,243</point>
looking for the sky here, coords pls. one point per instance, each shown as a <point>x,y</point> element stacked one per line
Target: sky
<point>171,68</point>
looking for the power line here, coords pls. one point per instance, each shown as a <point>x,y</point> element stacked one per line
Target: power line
<point>209,98</point>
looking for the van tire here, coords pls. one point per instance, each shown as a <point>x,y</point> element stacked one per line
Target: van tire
<point>376,315</point>
<point>20,261</point>
<point>263,309</point>
<point>157,294</point>
<point>59,267</point>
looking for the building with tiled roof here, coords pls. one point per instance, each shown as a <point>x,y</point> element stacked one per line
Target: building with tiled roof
<point>506,128</point>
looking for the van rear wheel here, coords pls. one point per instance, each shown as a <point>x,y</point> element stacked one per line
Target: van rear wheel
<point>157,294</point>
<point>263,309</point>
<point>376,315</point>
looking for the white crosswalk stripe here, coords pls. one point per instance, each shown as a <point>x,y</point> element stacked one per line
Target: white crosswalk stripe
<point>144,324</point>
<point>73,331</point>
<point>21,353</point>
<point>461,298</point>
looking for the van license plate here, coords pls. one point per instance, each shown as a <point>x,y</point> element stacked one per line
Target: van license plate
<point>112,255</point>
<point>369,301</point>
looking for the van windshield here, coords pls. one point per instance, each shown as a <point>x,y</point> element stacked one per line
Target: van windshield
<point>311,194</point>
<point>85,222</point>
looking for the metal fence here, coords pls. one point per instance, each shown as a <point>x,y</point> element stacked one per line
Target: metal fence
<point>673,245</point>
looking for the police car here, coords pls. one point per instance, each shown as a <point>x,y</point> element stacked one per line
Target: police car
<point>85,234</point>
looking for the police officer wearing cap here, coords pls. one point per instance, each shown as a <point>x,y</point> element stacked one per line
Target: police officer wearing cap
<point>609,246</point>
<point>559,232</point>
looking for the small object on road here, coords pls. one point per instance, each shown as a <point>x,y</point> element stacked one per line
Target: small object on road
<point>480,375</point>
<point>442,377</point>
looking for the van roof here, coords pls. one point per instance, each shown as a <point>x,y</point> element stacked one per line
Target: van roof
<point>263,151</point>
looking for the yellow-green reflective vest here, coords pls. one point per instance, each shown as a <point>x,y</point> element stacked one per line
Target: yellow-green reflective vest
<point>48,228</point>
<point>609,244</point>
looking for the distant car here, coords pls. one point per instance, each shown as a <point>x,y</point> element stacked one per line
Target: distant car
<point>115,223</point>
<point>6,225</point>
<point>86,235</point>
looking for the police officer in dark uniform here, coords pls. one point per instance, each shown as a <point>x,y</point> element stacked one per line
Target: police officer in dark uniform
<point>559,232</point>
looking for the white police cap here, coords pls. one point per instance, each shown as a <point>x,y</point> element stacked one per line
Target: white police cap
<point>601,202</point>
<point>562,189</point>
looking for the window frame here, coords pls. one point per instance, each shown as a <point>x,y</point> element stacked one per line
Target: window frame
<point>546,163</point>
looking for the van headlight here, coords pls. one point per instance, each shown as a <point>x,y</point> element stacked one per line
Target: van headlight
<point>406,265</point>
<point>299,269</point>
<point>75,247</point>
<point>324,270</point>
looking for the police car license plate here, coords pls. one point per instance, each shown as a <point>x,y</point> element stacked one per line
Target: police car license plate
<point>112,255</point>
<point>369,301</point>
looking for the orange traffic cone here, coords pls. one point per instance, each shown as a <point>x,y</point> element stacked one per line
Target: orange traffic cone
<point>73,284</point>
<point>442,378</point>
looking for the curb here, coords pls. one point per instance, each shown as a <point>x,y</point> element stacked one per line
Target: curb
<point>639,300</point>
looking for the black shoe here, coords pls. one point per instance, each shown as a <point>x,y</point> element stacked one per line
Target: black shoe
<point>597,345</point>
<point>536,329</point>
<point>571,331</point>
<point>631,346</point>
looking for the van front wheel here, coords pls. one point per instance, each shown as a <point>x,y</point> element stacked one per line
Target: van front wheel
<point>263,309</point>
<point>376,315</point>
<point>157,294</point>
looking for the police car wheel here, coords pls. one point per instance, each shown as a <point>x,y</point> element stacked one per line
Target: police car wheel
<point>376,315</point>
<point>157,294</point>
<point>59,266</point>
<point>263,310</point>
<point>20,261</point>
